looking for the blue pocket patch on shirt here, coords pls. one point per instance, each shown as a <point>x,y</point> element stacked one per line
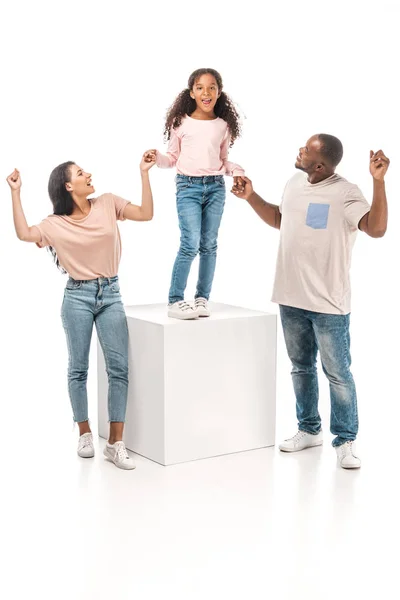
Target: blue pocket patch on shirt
<point>317,215</point>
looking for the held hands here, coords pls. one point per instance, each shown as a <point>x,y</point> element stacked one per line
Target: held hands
<point>14,180</point>
<point>243,189</point>
<point>148,160</point>
<point>238,183</point>
<point>378,165</point>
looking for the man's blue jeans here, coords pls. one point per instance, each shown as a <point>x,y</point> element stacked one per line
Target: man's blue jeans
<point>305,333</point>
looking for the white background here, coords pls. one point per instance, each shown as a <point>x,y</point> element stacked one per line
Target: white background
<point>91,82</point>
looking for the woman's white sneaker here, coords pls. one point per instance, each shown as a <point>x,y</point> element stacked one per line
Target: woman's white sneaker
<point>201,307</point>
<point>85,446</point>
<point>300,441</point>
<point>346,456</point>
<point>118,455</point>
<point>182,310</point>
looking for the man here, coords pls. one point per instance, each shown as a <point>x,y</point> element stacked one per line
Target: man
<point>319,216</point>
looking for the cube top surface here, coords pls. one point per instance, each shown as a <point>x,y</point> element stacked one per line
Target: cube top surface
<point>157,313</point>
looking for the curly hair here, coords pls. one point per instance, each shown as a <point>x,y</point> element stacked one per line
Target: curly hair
<point>185,105</point>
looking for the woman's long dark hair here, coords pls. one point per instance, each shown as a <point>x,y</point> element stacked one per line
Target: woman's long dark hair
<point>185,105</point>
<point>60,198</point>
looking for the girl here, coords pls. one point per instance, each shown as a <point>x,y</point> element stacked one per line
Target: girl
<point>84,239</point>
<point>200,126</point>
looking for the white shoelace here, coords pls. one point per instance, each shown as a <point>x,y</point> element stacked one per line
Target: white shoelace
<point>85,441</point>
<point>120,451</point>
<point>347,448</point>
<point>296,438</point>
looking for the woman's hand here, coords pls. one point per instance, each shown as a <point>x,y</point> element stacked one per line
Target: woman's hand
<point>14,180</point>
<point>148,160</point>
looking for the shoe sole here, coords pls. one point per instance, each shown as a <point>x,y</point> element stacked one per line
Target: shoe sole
<point>204,315</point>
<point>87,455</point>
<point>349,467</point>
<point>300,449</point>
<point>183,317</point>
<point>110,459</point>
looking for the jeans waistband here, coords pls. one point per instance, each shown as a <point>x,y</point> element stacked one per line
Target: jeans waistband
<point>97,280</point>
<point>201,178</point>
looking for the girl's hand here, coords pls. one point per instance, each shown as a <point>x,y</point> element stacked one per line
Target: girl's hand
<point>238,184</point>
<point>148,160</point>
<point>150,155</point>
<point>14,180</point>
<point>244,192</point>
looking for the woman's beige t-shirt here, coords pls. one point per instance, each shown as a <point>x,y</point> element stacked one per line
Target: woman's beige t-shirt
<point>87,248</point>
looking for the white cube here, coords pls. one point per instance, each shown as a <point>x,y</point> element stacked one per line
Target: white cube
<point>198,388</point>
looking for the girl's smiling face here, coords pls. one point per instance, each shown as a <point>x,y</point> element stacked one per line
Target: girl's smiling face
<point>206,93</point>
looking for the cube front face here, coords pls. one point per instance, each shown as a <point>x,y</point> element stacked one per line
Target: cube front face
<point>198,389</point>
<point>220,380</point>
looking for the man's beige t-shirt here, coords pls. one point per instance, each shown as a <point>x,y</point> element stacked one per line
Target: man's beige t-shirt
<point>318,230</point>
<point>87,248</point>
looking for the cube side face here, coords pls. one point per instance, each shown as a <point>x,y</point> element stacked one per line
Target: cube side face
<point>144,426</point>
<point>220,387</point>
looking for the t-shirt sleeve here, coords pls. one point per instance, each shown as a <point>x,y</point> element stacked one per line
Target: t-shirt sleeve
<point>45,230</point>
<point>120,204</point>
<point>355,206</point>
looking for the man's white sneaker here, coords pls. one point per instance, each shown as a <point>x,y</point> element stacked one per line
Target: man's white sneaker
<point>182,310</point>
<point>85,446</point>
<point>201,307</point>
<point>300,441</point>
<point>118,455</point>
<point>346,457</point>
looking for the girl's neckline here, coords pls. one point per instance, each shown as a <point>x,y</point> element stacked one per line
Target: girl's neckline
<point>203,120</point>
<point>83,218</point>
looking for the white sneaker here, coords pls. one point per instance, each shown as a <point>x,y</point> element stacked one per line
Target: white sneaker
<point>300,441</point>
<point>85,446</point>
<point>201,307</point>
<point>182,310</point>
<point>346,457</point>
<point>118,455</point>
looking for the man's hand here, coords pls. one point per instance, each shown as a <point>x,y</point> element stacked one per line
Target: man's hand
<point>378,165</point>
<point>245,190</point>
<point>238,183</point>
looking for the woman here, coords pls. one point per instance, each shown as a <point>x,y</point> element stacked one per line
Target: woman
<point>83,236</point>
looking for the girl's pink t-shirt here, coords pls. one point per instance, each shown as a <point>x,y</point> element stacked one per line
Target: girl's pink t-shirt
<point>199,148</point>
<point>87,248</point>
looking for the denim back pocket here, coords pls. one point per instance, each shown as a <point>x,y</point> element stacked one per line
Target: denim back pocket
<point>317,215</point>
